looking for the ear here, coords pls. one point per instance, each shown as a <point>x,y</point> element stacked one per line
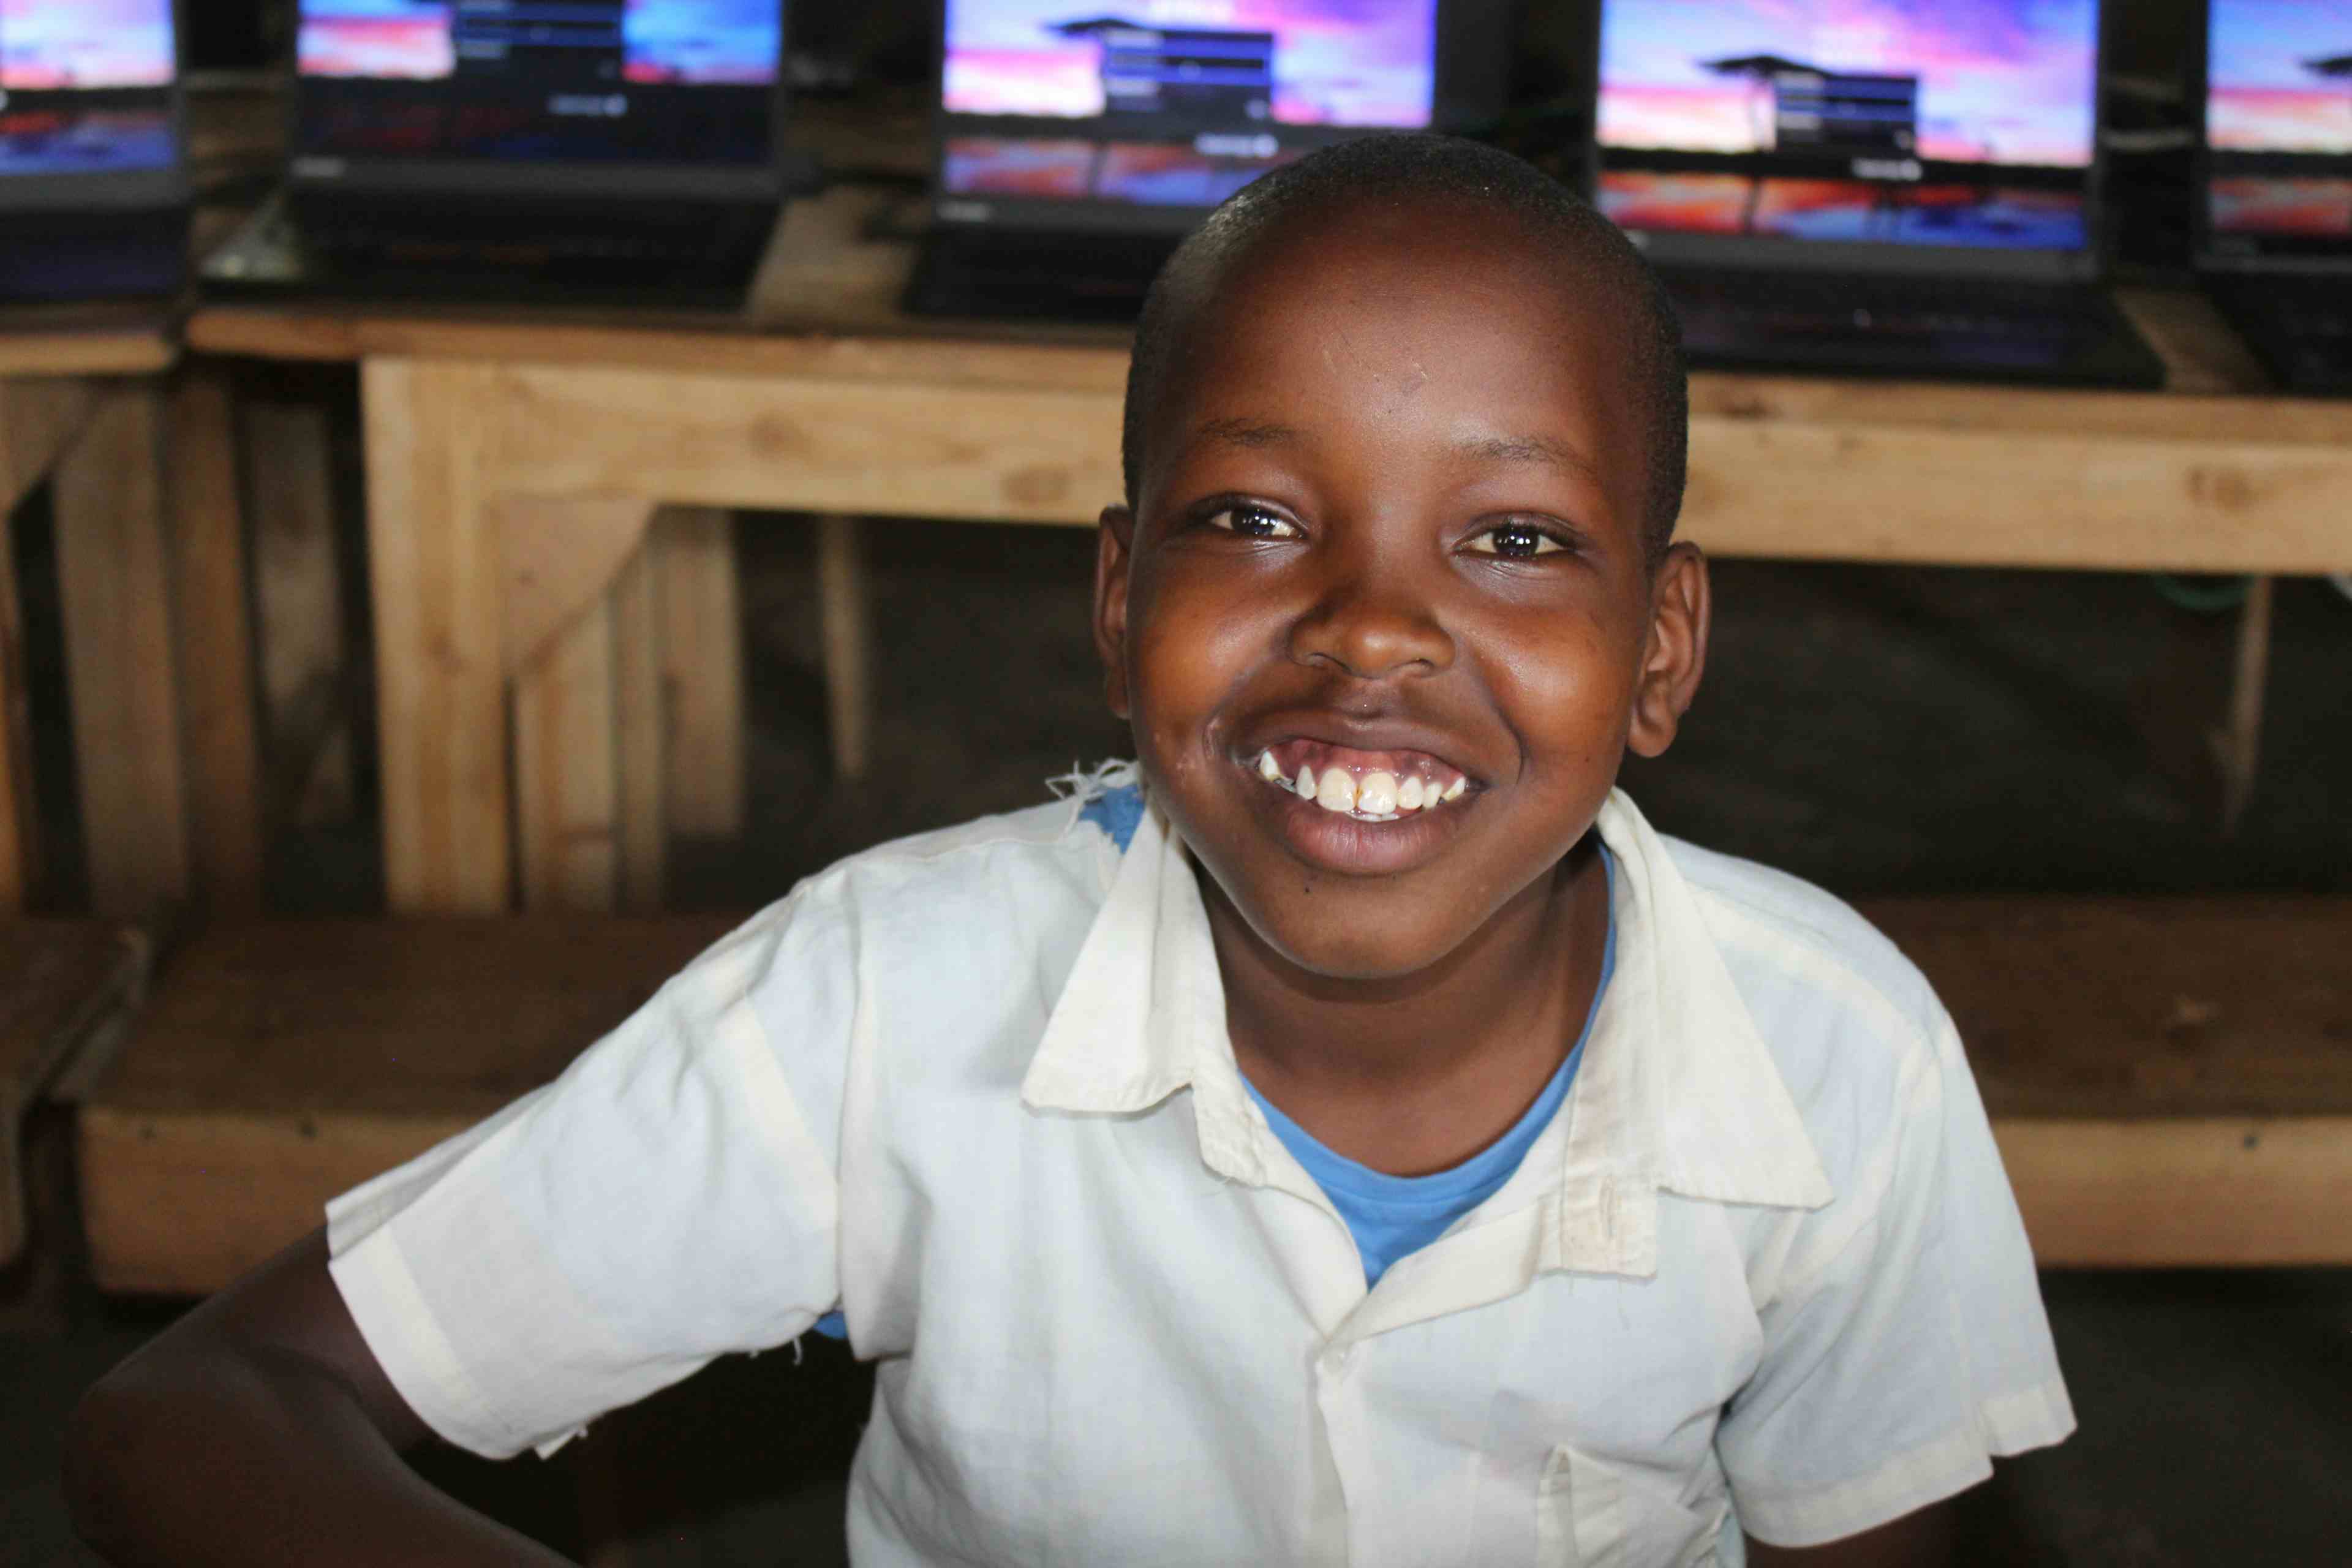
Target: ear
<point>1675,654</point>
<point>1114,547</point>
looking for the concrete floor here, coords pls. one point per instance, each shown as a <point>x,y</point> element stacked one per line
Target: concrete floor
<point>1877,730</point>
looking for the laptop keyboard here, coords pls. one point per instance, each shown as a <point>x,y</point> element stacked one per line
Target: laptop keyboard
<point>2301,325</point>
<point>1079,276</point>
<point>402,247</point>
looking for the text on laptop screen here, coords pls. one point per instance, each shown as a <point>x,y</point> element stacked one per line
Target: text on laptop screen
<point>1169,102</point>
<point>2278,120</point>
<point>85,86</point>
<point>670,81</point>
<point>1969,123</point>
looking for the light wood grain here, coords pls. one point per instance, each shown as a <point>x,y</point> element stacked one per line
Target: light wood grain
<point>567,784</point>
<point>115,585</point>
<point>440,673</point>
<point>93,340</point>
<point>701,635</point>
<point>2180,1193</point>
<point>297,590</point>
<point>219,708</point>
<point>558,557</point>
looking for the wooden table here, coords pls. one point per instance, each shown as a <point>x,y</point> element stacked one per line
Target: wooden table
<point>514,461</point>
<point>149,569</point>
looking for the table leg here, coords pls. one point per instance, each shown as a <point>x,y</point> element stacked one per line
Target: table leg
<point>114,582</point>
<point>298,598</point>
<point>2238,743</point>
<point>701,654</point>
<point>566,751</point>
<point>840,583</point>
<point>440,676</point>
<point>218,717</point>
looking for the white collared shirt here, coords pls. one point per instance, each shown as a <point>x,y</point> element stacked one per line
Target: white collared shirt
<point>974,1090</point>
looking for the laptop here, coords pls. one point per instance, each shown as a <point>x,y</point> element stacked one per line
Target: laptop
<point>2274,219</point>
<point>1074,147</point>
<point>93,187</point>
<point>1868,186</point>
<point>577,151</point>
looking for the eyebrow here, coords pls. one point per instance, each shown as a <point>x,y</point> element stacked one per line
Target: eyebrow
<point>1530,450</point>
<point>1242,431</point>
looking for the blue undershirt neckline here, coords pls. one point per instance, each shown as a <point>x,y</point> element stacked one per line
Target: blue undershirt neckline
<point>1389,1217</point>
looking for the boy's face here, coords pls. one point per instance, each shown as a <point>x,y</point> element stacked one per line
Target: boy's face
<point>1390,524</point>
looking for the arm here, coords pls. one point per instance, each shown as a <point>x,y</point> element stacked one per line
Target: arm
<point>1921,1539</point>
<point>259,1428</point>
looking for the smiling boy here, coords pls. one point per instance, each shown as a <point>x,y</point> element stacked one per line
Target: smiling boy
<point>1351,1134</point>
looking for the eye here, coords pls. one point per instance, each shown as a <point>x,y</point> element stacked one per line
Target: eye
<point>1516,539</point>
<point>1251,521</point>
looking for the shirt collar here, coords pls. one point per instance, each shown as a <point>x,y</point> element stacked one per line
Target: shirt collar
<point>1677,1092</point>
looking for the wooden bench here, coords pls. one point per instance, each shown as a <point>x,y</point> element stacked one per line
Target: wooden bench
<point>2172,1081</point>
<point>64,986</point>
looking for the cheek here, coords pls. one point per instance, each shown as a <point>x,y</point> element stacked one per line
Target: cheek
<point>1568,687</point>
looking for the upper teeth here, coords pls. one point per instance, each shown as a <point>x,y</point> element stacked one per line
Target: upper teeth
<point>1379,795</point>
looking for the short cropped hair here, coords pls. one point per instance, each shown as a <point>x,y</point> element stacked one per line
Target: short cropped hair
<point>1592,252</point>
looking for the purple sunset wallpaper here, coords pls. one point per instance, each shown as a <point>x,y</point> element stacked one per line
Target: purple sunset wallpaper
<point>2280,75</point>
<point>2000,82</point>
<point>1337,62</point>
<point>688,41</point>
<point>54,44</point>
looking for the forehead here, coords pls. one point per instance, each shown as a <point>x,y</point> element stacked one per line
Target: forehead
<point>1415,317</point>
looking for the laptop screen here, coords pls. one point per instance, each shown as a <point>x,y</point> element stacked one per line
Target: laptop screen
<point>1151,113</point>
<point>2278,129</point>
<point>536,82</point>
<point>86,88</point>
<point>1965,126</point>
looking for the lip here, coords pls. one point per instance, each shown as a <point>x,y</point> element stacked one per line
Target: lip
<point>1336,842</point>
<point>1359,735</point>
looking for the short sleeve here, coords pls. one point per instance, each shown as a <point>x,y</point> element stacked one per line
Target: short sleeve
<point>1907,1351</point>
<point>670,1198</point>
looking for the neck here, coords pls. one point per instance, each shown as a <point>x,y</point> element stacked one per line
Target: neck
<point>1419,1071</point>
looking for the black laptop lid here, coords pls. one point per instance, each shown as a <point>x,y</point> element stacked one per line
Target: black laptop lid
<point>1882,135</point>
<point>1063,114</point>
<point>89,106</point>
<point>2277,181</point>
<point>633,99</point>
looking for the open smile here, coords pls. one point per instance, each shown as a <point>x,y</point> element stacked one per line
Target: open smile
<point>1355,810</point>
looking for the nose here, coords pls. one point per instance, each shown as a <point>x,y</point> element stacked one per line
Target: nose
<point>1373,628</point>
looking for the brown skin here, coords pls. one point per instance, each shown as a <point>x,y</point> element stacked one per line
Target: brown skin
<point>1393,499</point>
<point>1393,582</point>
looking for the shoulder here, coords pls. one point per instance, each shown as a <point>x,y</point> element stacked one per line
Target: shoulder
<point>1855,1031</point>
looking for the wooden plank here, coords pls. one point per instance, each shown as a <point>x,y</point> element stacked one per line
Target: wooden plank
<point>642,829</point>
<point>219,720</point>
<point>701,654</point>
<point>440,675</point>
<point>848,645</point>
<point>38,419</point>
<point>558,557</point>
<point>566,769</point>
<point>2182,1192</point>
<point>297,590</point>
<point>115,587</point>
<point>91,341</point>
<point>280,1062</point>
<point>2223,1006</point>
<point>61,983</point>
